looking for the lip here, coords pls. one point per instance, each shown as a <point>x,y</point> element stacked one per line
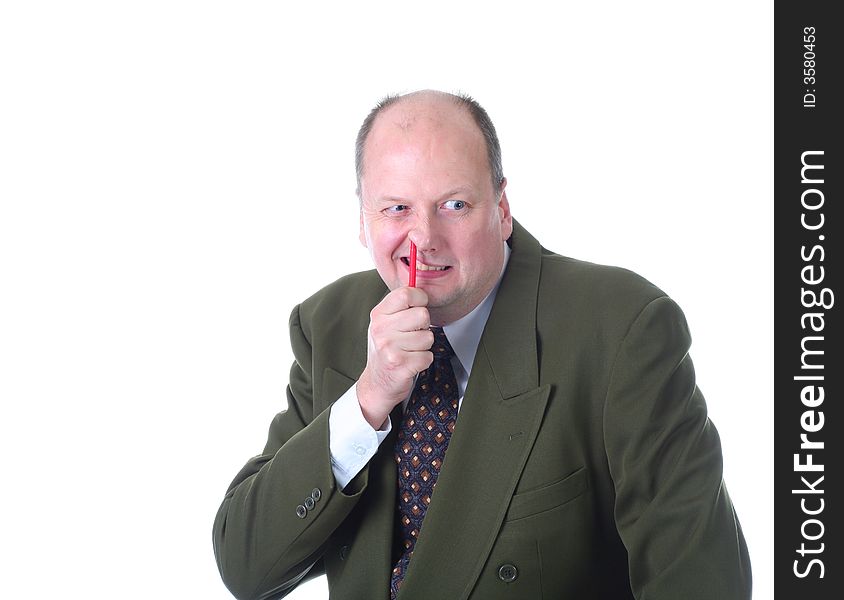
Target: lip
<point>420,274</point>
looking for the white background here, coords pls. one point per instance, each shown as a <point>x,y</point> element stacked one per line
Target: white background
<point>175,176</point>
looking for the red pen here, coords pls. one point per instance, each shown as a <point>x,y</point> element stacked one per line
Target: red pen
<point>412,279</point>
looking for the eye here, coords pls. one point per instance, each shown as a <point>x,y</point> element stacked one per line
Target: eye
<point>455,204</point>
<point>396,209</point>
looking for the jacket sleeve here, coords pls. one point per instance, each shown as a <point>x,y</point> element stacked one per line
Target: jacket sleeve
<point>265,544</point>
<point>672,510</point>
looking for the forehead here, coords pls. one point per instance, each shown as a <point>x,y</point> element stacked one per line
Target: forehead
<point>431,142</point>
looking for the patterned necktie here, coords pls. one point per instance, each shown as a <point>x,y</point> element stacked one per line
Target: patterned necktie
<point>420,448</point>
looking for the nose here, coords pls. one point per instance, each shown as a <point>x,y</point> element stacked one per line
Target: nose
<point>424,235</point>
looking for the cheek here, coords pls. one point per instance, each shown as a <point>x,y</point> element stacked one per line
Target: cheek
<point>482,255</point>
<point>384,244</point>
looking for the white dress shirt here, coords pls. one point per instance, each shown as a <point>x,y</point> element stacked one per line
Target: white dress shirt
<point>353,441</point>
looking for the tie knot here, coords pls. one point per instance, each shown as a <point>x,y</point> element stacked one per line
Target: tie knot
<point>441,348</point>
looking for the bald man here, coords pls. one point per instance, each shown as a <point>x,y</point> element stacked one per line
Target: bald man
<point>517,425</point>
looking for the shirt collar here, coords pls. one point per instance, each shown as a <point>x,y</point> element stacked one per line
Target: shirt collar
<point>464,334</point>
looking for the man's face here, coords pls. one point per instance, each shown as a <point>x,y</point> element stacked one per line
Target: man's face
<point>426,179</point>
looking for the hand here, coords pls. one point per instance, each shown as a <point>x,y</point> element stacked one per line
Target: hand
<point>398,347</point>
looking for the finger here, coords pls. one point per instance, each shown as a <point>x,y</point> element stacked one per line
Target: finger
<point>387,327</point>
<point>387,331</point>
<point>416,341</point>
<point>419,361</point>
<point>401,299</point>
<point>410,319</point>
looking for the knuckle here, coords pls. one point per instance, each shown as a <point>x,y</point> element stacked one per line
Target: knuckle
<point>423,317</point>
<point>383,345</point>
<point>392,358</point>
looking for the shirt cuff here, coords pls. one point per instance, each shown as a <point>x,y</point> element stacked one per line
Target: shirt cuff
<point>351,439</point>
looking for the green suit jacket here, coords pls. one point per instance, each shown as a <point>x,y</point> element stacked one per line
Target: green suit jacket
<point>583,462</point>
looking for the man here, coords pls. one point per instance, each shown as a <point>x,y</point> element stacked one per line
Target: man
<point>580,461</point>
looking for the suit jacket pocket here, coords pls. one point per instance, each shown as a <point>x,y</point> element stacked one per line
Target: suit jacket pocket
<point>548,497</point>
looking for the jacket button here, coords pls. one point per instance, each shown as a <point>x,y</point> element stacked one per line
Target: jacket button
<point>316,494</point>
<point>309,503</point>
<point>301,512</point>
<point>508,573</point>
<point>344,552</point>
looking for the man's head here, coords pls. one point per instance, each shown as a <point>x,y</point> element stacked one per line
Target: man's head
<point>428,173</point>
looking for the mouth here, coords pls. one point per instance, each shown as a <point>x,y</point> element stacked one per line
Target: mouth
<point>420,266</point>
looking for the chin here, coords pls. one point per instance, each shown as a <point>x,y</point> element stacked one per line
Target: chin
<point>443,306</point>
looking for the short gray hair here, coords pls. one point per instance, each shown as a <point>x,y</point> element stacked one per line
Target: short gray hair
<point>479,115</point>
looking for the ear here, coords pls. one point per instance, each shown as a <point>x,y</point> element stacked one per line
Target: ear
<point>362,232</point>
<point>504,213</point>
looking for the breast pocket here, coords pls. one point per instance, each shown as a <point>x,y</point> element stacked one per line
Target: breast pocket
<point>548,497</point>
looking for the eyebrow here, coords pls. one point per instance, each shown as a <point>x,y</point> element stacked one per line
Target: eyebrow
<point>457,191</point>
<point>462,189</point>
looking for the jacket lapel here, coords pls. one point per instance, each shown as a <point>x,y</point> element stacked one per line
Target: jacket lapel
<point>498,422</point>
